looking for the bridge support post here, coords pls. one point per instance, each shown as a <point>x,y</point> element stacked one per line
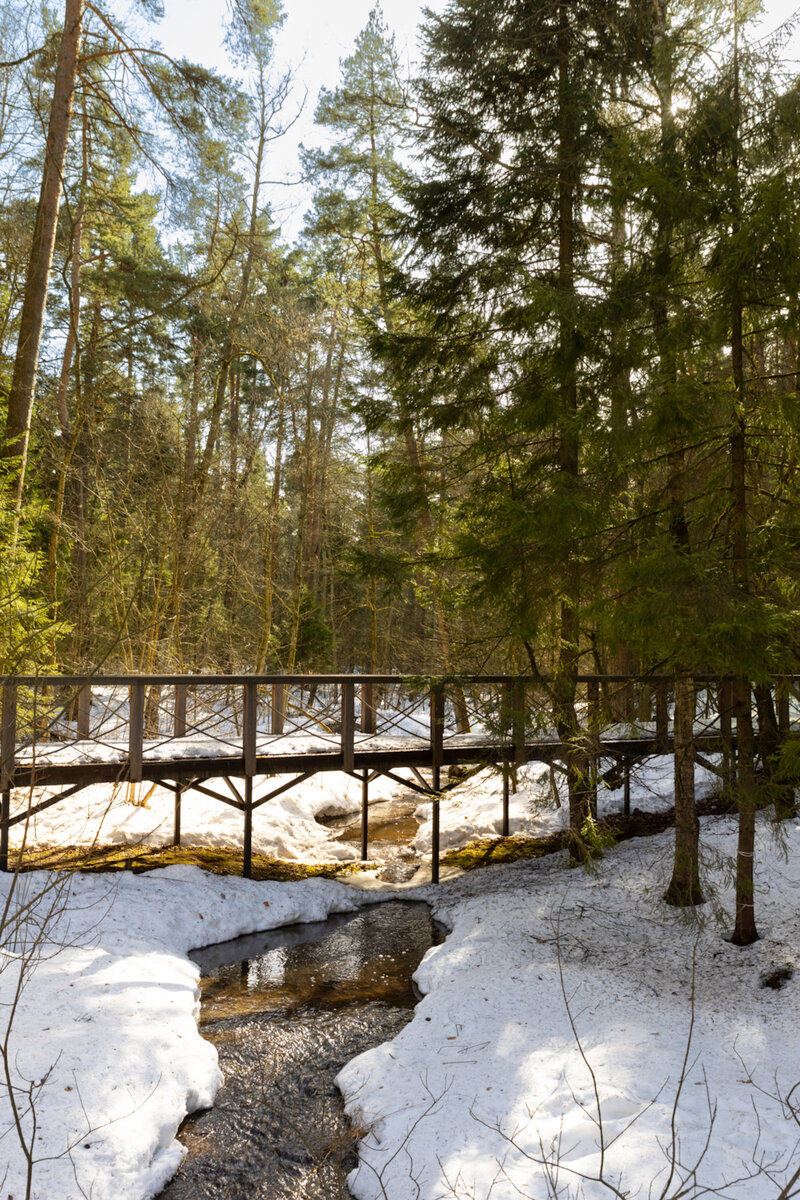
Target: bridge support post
<point>247,848</point>
<point>435,834</point>
<point>176,832</point>
<point>626,795</point>
<point>365,816</point>
<point>505,799</point>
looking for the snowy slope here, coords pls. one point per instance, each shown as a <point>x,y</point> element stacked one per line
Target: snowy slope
<point>487,1078</point>
<point>486,1092</point>
<point>108,1020</point>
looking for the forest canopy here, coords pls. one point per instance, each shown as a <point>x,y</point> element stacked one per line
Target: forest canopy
<point>522,395</point>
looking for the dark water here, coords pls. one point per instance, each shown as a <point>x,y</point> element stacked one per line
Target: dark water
<point>286,1010</point>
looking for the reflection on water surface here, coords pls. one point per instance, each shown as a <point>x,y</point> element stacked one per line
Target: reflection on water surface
<point>286,1009</point>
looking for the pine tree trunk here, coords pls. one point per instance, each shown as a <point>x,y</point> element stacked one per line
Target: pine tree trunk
<point>684,887</point>
<point>271,542</point>
<point>26,362</point>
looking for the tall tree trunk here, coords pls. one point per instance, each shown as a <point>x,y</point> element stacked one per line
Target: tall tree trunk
<point>578,756</point>
<point>182,548</point>
<point>271,541</point>
<point>26,362</point>
<point>684,887</point>
<point>745,931</point>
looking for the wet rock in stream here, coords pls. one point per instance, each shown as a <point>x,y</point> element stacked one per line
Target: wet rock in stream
<point>284,1024</point>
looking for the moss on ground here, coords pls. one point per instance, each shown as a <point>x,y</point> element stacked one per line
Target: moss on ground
<point>217,860</point>
<point>483,852</point>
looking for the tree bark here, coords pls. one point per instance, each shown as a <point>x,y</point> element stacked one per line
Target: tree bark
<point>26,362</point>
<point>578,752</point>
<point>684,887</point>
<point>745,931</point>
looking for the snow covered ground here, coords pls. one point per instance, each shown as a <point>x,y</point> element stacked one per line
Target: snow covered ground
<point>539,806</point>
<point>143,815</point>
<point>492,1092</point>
<point>105,1033</point>
<point>486,1092</point>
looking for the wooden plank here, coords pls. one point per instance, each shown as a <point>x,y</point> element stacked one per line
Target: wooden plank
<point>348,726</point>
<point>278,707</point>
<point>136,731</point>
<point>368,716</point>
<point>84,710</point>
<point>250,727</point>
<point>179,713</point>
<point>8,736</point>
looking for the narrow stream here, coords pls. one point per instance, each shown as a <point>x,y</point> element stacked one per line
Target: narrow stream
<point>286,1010</point>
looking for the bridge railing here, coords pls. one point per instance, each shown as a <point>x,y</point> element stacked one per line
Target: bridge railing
<point>126,717</point>
<point>75,729</point>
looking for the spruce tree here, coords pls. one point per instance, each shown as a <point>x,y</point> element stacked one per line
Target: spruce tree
<point>501,342</point>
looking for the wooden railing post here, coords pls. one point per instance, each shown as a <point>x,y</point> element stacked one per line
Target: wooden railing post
<point>8,749</point>
<point>136,731</point>
<point>278,708</point>
<point>348,725</point>
<point>250,726</point>
<point>249,749</point>
<point>84,710</point>
<point>368,722</point>
<point>179,714</point>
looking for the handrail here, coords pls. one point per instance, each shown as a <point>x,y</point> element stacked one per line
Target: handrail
<point>347,677</point>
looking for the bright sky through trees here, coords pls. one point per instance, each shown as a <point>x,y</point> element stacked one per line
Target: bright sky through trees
<point>315,36</point>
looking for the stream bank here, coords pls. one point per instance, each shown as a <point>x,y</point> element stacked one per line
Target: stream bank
<point>286,1010</point>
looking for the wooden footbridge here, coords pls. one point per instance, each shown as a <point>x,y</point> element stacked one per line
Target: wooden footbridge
<point>243,740</point>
